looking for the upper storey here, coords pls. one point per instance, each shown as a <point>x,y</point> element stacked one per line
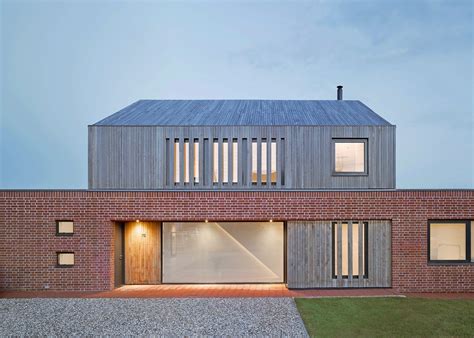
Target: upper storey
<point>242,144</point>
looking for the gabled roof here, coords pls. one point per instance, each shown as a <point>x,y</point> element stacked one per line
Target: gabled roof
<point>244,113</point>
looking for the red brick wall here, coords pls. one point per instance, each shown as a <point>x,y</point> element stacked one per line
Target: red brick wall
<point>28,243</point>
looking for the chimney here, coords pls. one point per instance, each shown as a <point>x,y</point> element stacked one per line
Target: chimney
<point>339,93</point>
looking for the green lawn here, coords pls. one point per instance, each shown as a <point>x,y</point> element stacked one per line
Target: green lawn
<point>348,317</point>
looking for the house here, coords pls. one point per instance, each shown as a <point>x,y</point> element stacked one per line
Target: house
<point>300,192</point>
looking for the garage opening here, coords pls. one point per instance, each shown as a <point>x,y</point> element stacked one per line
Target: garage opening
<point>223,252</point>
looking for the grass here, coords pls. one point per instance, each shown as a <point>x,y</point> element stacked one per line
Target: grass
<point>396,317</point>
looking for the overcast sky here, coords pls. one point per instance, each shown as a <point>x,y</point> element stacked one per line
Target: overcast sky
<point>65,65</point>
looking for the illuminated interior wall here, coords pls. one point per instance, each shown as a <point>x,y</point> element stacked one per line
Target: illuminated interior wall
<point>447,241</point>
<point>223,252</point>
<point>350,157</point>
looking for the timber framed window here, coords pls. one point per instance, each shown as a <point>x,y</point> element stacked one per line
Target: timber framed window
<point>65,259</point>
<point>349,156</point>
<point>450,241</point>
<point>224,162</point>
<point>64,228</point>
<point>350,249</point>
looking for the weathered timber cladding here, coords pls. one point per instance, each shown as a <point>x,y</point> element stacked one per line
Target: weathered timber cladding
<point>310,256</point>
<point>135,157</point>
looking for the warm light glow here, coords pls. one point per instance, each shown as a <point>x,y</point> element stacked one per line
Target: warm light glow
<point>225,161</point>
<point>186,161</point>
<point>196,161</point>
<point>206,221</point>
<point>215,169</point>
<point>235,161</point>
<point>271,221</point>
<point>349,157</point>
<point>448,241</point>
<point>176,162</point>
<point>264,162</point>
<point>138,221</point>
<point>273,162</point>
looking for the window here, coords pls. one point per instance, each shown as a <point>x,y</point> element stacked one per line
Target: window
<point>263,165</point>
<point>196,161</point>
<point>235,161</point>
<point>350,156</point>
<point>186,161</point>
<point>215,168</point>
<point>254,161</point>
<point>450,241</point>
<point>64,228</point>
<point>223,252</point>
<point>273,161</point>
<point>225,161</point>
<point>65,259</point>
<point>176,161</point>
<point>353,238</point>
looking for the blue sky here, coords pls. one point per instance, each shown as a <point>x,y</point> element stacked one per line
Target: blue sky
<point>65,65</point>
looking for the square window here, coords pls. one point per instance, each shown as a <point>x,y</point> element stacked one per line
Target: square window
<point>448,241</point>
<point>65,258</point>
<point>350,156</point>
<point>64,228</point>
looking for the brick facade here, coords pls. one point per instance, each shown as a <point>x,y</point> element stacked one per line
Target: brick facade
<point>28,241</point>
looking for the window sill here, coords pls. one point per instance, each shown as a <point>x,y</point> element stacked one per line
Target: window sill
<point>441,263</point>
<point>349,174</point>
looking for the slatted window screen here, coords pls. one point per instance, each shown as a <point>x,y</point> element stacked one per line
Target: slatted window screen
<point>224,161</point>
<point>349,249</point>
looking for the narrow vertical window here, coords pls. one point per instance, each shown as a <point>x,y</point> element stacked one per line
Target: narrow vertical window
<point>168,162</point>
<point>205,162</point>
<point>196,160</point>
<point>215,169</point>
<point>282,161</point>
<point>176,161</point>
<point>358,235</point>
<point>263,166</point>
<point>186,161</point>
<point>225,161</point>
<point>254,161</point>
<point>235,161</point>
<point>273,155</point>
<point>244,163</point>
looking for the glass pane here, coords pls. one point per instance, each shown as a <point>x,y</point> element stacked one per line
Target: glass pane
<point>472,241</point>
<point>274,162</point>
<point>65,227</point>
<point>264,161</point>
<point>196,161</point>
<point>176,162</point>
<point>223,252</point>
<point>447,241</point>
<point>349,157</point>
<point>355,249</point>
<point>225,162</point>
<point>235,161</point>
<point>66,259</point>
<point>254,161</point>
<point>215,171</point>
<point>186,161</point>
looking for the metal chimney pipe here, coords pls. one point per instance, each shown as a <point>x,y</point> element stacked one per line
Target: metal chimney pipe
<point>339,93</point>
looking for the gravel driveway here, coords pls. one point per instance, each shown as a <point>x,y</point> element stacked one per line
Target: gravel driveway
<point>166,316</point>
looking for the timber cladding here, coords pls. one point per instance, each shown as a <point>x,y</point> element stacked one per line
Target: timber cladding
<point>28,241</point>
<point>310,257</point>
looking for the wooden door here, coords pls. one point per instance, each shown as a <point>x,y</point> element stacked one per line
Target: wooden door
<point>142,253</point>
<point>118,256</point>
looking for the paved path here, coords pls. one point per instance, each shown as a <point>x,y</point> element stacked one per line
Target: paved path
<point>203,291</point>
<point>165,316</point>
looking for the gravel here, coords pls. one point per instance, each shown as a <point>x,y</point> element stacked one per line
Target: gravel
<point>162,317</point>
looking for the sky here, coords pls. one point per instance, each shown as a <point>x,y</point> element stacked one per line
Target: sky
<point>68,64</point>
